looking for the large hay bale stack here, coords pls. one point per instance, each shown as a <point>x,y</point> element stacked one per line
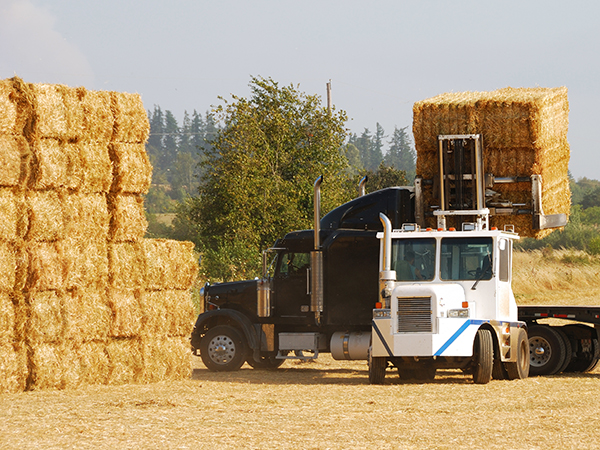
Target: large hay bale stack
<point>82,298</point>
<point>524,133</point>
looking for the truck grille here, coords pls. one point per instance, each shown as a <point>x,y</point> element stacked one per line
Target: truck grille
<point>414,315</point>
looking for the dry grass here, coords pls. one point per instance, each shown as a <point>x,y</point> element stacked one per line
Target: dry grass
<point>556,277</point>
<point>327,404</point>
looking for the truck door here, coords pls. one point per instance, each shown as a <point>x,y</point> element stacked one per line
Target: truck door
<point>291,285</point>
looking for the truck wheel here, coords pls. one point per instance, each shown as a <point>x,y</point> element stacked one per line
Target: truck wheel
<point>568,349</point>
<point>546,350</point>
<point>223,349</point>
<point>266,363</point>
<point>586,362</point>
<point>377,366</point>
<point>520,368</point>
<point>582,361</point>
<point>483,357</point>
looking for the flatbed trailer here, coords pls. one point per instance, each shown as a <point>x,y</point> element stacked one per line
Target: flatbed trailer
<point>568,343</point>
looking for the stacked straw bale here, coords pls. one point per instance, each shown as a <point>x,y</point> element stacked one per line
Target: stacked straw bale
<point>80,289</point>
<point>524,133</point>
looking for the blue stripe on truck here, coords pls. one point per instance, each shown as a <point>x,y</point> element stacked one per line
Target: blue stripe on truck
<point>455,336</point>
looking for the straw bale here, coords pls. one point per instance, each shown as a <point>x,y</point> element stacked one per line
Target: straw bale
<point>132,171</point>
<point>14,160</point>
<point>165,358</point>
<point>45,215</point>
<point>95,174</point>
<point>10,214</point>
<point>168,313</point>
<point>126,313</point>
<point>86,262</point>
<point>8,266</point>
<point>125,360</point>
<point>73,100</point>
<point>171,264</point>
<point>93,363</point>
<point>8,109</point>
<point>524,133</point>
<point>87,315</point>
<point>131,119</point>
<point>45,317</point>
<point>21,316</point>
<point>7,318</point>
<point>128,219</point>
<point>53,366</point>
<point>50,111</point>
<point>50,163</point>
<point>126,265</point>
<point>43,266</point>
<point>13,368</point>
<point>86,217</point>
<point>98,117</point>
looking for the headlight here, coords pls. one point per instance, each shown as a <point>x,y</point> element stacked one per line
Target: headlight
<point>381,313</point>
<point>459,313</point>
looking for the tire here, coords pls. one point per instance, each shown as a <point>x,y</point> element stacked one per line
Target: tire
<point>568,349</point>
<point>498,370</point>
<point>377,366</point>
<point>582,361</point>
<point>546,350</point>
<point>483,357</point>
<point>266,363</point>
<point>519,369</point>
<point>223,349</point>
<point>585,362</point>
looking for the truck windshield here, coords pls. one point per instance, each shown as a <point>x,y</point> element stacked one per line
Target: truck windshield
<point>413,259</point>
<point>466,258</point>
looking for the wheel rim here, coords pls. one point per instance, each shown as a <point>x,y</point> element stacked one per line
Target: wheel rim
<point>221,349</point>
<point>540,351</point>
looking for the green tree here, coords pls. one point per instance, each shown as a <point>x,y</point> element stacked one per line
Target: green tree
<point>400,153</point>
<point>385,176</point>
<point>259,175</point>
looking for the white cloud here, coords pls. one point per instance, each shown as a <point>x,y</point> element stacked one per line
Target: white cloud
<point>33,49</point>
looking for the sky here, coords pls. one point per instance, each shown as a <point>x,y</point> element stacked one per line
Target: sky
<point>381,56</point>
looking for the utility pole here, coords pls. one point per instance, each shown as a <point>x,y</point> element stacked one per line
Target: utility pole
<point>329,97</point>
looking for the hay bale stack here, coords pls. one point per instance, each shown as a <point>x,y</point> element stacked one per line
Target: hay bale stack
<point>524,133</point>
<point>82,297</point>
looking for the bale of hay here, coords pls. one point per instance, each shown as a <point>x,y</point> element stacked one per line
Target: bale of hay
<point>87,315</point>
<point>131,119</point>
<point>7,318</point>
<point>126,265</point>
<point>170,264</point>
<point>9,218</point>
<point>50,111</point>
<point>73,101</point>
<point>45,321</point>
<point>165,359</point>
<point>45,215</point>
<point>126,313</point>
<point>98,119</point>
<point>86,263</point>
<point>168,312</point>
<point>524,133</point>
<point>14,160</point>
<point>93,362</point>
<point>125,361</point>
<point>8,266</point>
<point>86,217</point>
<point>40,267</point>
<point>13,368</point>
<point>8,109</point>
<point>50,164</point>
<point>127,217</point>
<point>95,174</point>
<point>45,366</point>
<point>132,171</point>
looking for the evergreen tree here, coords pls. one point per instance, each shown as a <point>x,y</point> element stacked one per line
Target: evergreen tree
<point>400,154</point>
<point>377,146</point>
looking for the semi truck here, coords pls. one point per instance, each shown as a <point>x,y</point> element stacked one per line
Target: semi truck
<point>375,281</point>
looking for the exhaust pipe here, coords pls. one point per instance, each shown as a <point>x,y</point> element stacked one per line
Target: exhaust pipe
<point>361,185</point>
<point>316,258</point>
<point>387,277</point>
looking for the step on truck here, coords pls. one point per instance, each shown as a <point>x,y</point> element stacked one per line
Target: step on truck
<point>350,287</point>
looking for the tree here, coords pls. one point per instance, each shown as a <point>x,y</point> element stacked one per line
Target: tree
<point>383,177</point>
<point>259,175</point>
<point>400,154</point>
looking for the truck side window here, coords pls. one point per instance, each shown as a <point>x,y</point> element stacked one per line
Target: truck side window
<point>505,256</point>
<point>413,259</point>
<point>293,263</point>
<point>466,258</point>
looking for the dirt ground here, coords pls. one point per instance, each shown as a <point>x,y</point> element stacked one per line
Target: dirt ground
<point>325,404</point>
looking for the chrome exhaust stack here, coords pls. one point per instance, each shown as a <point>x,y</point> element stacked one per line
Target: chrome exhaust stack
<point>316,257</point>
<point>361,185</point>
<point>387,277</point>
